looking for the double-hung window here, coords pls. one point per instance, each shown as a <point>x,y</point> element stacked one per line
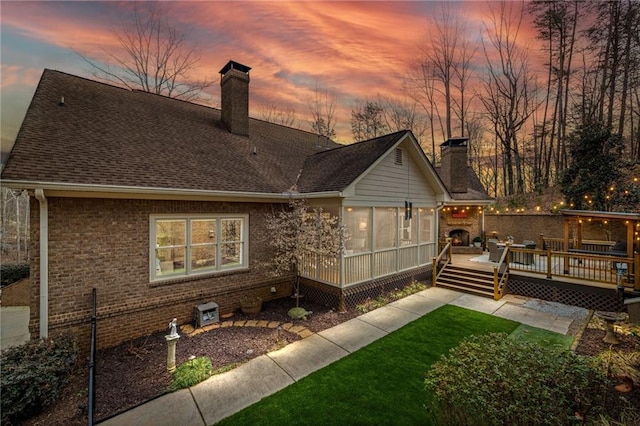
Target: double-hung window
<point>192,245</point>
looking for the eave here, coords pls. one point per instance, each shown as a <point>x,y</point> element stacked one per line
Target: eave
<point>75,190</point>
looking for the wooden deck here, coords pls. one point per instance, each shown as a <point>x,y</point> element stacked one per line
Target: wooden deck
<point>593,271</point>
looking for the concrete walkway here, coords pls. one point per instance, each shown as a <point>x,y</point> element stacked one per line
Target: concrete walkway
<point>225,394</point>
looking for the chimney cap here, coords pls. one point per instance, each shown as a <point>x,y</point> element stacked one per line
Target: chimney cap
<point>462,141</point>
<point>236,66</point>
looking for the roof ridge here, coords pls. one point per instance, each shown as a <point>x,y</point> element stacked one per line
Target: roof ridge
<point>358,143</point>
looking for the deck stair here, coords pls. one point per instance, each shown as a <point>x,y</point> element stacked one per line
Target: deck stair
<point>466,280</point>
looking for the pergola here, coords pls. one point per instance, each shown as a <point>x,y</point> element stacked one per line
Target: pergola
<point>631,221</point>
<point>632,225</point>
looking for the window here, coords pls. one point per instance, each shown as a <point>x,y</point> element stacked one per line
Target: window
<point>409,228</point>
<point>386,227</point>
<point>358,223</point>
<point>426,220</point>
<point>191,245</point>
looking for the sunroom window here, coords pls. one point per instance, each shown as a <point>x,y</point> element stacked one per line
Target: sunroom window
<point>358,223</point>
<point>191,245</point>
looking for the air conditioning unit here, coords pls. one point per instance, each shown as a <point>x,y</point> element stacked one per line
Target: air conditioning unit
<point>206,314</point>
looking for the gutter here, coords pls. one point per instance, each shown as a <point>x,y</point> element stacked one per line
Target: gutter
<point>44,263</point>
<point>164,193</point>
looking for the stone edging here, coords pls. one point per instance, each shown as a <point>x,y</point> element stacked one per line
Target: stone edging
<point>300,330</point>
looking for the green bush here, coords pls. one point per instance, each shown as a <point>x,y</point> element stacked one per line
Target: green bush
<point>388,297</point>
<point>34,374</point>
<point>495,380</point>
<point>13,272</point>
<point>191,373</point>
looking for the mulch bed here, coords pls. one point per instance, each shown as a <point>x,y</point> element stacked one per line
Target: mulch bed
<point>135,372</point>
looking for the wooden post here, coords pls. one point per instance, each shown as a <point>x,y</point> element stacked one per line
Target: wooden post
<point>579,232</point>
<point>566,245</point>
<point>630,227</point>
<point>549,260</point>
<point>434,274</point>
<point>636,271</point>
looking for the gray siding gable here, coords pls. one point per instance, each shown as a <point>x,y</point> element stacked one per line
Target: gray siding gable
<point>388,183</point>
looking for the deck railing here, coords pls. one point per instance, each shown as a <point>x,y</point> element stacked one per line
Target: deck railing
<point>441,260</point>
<point>355,268</point>
<point>501,276</point>
<point>600,268</point>
<point>557,244</point>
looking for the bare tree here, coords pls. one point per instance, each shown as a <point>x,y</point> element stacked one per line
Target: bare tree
<point>297,234</point>
<point>420,86</point>
<point>556,23</point>
<point>154,56</point>
<point>322,107</point>
<point>444,41</point>
<point>275,114</point>
<point>403,114</point>
<point>14,227</point>
<point>508,89</point>
<point>367,120</point>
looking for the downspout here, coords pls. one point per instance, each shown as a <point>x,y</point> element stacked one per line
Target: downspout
<point>44,264</point>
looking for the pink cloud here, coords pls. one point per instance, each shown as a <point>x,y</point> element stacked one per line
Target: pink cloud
<point>357,49</point>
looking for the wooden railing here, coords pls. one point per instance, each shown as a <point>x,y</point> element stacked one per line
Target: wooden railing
<point>557,244</point>
<point>597,267</point>
<point>501,276</point>
<point>441,261</point>
<point>354,268</point>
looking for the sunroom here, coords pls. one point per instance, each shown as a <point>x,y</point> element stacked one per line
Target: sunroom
<point>390,212</point>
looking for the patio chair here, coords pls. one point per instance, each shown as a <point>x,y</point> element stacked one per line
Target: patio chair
<point>528,257</point>
<point>495,240</point>
<point>495,252</point>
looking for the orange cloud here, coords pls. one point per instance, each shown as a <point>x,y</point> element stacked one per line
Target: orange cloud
<point>356,49</point>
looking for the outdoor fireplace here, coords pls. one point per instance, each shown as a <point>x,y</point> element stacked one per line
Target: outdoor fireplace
<point>459,237</point>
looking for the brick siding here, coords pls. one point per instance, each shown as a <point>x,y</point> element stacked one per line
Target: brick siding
<point>104,243</point>
<point>530,226</point>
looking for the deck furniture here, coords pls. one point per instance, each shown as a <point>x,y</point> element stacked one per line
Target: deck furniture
<point>495,252</point>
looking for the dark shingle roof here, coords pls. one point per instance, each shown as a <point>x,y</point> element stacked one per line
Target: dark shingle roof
<point>104,135</point>
<point>336,169</point>
<point>475,192</point>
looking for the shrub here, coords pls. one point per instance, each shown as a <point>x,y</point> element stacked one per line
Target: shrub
<point>34,374</point>
<point>191,373</point>
<point>384,299</point>
<point>13,272</point>
<point>495,380</point>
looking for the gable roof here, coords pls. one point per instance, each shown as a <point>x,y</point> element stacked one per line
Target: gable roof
<point>79,131</point>
<point>336,169</point>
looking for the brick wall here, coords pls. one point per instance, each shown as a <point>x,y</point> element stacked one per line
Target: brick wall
<point>104,243</point>
<point>472,223</point>
<point>530,226</point>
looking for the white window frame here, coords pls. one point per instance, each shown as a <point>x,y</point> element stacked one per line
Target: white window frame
<point>188,218</point>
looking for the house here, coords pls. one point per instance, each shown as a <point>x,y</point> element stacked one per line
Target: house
<point>160,205</point>
<point>462,219</point>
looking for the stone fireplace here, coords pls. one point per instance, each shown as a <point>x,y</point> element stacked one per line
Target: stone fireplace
<point>459,237</point>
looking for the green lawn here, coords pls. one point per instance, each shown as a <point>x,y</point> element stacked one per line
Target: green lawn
<point>382,383</point>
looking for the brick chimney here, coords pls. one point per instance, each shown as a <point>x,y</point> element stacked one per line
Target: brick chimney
<point>234,84</point>
<point>453,167</point>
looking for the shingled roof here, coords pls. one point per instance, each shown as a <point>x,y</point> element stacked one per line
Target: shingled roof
<point>79,131</point>
<point>475,192</point>
<point>336,169</point>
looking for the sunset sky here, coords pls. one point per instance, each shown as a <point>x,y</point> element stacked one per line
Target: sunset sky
<point>356,49</point>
